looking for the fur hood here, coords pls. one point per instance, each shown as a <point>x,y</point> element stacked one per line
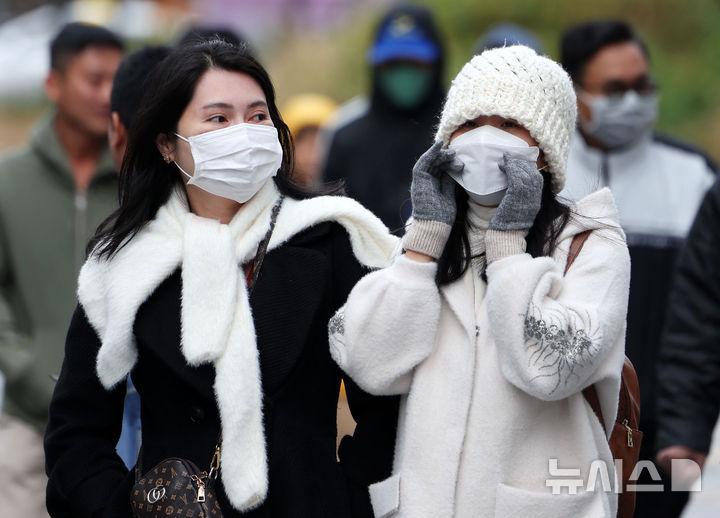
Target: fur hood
<point>216,318</point>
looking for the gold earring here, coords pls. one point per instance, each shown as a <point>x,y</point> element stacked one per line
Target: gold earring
<point>166,158</point>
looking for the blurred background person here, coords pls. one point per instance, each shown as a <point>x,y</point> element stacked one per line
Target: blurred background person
<point>657,182</point>
<point>688,400</point>
<point>375,153</point>
<point>130,82</point>
<point>506,34</point>
<point>53,195</point>
<point>305,115</point>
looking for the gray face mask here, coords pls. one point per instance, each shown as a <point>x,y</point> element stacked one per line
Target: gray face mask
<point>618,121</point>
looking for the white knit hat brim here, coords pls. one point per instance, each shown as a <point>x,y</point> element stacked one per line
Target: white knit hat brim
<point>515,83</point>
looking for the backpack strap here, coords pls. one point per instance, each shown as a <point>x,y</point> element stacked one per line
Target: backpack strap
<point>625,437</point>
<point>575,247</point>
<point>590,393</point>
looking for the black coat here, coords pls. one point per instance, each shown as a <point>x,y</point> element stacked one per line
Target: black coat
<point>300,286</point>
<point>689,365</point>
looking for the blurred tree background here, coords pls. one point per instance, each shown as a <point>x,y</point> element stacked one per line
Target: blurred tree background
<point>683,37</point>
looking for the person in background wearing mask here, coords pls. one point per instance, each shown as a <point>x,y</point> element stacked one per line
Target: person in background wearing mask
<point>212,285</point>
<point>305,115</point>
<point>130,83</point>
<point>476,326</point>
<point>658,185</point>
<point>373,152</point>
<point>52,197</point>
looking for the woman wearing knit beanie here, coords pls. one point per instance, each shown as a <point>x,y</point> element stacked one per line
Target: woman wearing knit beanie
<point>478,327</point>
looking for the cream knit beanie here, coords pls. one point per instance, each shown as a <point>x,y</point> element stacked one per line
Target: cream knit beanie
<point>515,83</point>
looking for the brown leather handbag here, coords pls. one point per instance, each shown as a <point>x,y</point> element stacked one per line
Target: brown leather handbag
<point>625,437</point>
<point>175,487</point>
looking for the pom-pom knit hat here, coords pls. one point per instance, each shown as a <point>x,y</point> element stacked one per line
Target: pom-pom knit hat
<point>515,83</point>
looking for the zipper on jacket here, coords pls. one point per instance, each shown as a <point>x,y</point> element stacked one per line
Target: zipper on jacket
<point>80,228</point>
<point>605,169</point>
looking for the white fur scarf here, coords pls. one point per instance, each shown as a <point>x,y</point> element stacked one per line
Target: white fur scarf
<point>217,324</point>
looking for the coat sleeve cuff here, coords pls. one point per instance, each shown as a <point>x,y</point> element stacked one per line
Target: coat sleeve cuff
<point>693,435</point>
<point>109,490</point>
<point>427,237</point>
<point>502,243</point>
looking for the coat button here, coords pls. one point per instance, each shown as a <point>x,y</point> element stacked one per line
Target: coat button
<point>197,414</point>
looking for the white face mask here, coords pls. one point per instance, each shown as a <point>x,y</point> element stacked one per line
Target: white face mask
<point>481,151</point>
<point>619,121</point>
<point>236,161</point>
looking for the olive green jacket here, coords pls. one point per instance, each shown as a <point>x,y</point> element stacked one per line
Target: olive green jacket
<point>44,227</point>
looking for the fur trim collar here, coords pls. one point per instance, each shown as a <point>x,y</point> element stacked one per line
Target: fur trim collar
<point>216,318</point>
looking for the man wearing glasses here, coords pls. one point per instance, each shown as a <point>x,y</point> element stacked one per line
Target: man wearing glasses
<point>658,185</point>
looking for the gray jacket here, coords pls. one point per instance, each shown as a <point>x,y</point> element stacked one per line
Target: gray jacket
<point>44,227</point>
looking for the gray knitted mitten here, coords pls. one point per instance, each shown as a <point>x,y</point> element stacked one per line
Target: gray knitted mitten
<point>433,198</point>
<point>521,202</point>
<point>517,211</point>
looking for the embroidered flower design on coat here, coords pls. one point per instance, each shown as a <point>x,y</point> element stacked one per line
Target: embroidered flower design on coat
<point>336,326</point>
<point>336,336</point>
<point>557,349</point>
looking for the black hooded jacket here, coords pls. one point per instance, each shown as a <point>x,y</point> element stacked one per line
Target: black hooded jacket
<point>689,365</point>
<point>375,152</point>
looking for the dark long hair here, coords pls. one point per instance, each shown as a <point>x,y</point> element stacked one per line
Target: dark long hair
<point>541,239</point>
<point>146,181</point>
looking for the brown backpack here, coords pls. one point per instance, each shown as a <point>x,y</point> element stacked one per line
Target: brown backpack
<point>625,437</point>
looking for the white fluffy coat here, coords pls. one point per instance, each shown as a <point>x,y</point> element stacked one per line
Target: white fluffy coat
<point>483,411</point>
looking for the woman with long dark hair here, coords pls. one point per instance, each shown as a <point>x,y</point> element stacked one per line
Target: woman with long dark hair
<point>477,325</point>
<point>212,286</point>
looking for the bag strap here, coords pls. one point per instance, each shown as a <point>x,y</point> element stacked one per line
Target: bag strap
<point>254,269</point>
<point>253,273</point>
<point>575,247</point>
<point>590,392</point>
